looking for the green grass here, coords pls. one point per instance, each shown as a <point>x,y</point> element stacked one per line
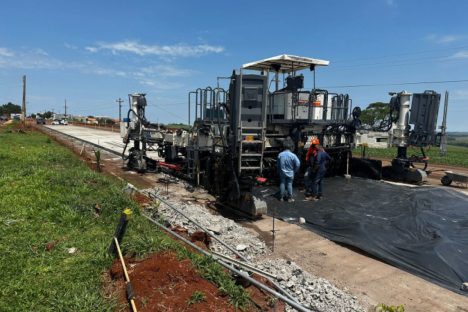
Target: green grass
<point>196,297</point>
<point>385,308</point>
<point>456,155</point>
<point>48,195</point>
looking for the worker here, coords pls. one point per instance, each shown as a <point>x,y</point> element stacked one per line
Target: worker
<point>319,170</point>
<point>311,158</point>
<point>288,165</point>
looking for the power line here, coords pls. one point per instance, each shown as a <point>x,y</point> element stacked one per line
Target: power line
<point>397,84</point>
<point>400,54</point>
<point>120,101</point>
<point>167,111</point>
<point>23,107</point>
<point>396,63</point>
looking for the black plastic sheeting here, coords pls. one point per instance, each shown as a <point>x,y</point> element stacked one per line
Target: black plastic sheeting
<point>423,230</point>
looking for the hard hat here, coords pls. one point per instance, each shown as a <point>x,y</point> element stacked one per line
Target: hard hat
<point>315,141</point>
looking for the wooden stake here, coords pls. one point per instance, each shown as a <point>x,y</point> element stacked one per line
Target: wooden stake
<point>127,278</point>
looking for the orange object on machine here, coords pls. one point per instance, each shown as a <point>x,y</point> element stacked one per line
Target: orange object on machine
<point>315,141</point>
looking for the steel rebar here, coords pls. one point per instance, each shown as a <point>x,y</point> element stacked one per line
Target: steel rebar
<point>199,225</point>
<point>292,303</point>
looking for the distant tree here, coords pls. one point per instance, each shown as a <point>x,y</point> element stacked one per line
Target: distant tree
<point>90,116</point>
<point>106,121</point>
<point>10,108</point>
<point>374,113</point>
<point>46,115</point>
<point>178,126</point>
<point>33,116</point>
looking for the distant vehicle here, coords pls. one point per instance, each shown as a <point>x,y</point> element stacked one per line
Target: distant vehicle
<point>40,121</point>
<point>64,122</point>
<point>56,122</point>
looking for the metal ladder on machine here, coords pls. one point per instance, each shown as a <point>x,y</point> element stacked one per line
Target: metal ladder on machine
<point>251,136</point>
<point>193,169</point>
<point>192,165</point>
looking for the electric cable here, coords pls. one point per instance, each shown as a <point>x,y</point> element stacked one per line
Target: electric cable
<point>398,84</point>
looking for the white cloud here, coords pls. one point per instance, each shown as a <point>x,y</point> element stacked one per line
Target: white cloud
<point>40,51</point>
<point>91,49</point>
<point>166,71</point>
<point>160,85</point>
<point>460,55</point>
<point>155,77</point>
<point>180,50</point>
<point>5,52</point>
<point>445,39</point>
<point>70,46</point>
<point>37,59</point>
<point>458,95</point>
<point>100,71</point>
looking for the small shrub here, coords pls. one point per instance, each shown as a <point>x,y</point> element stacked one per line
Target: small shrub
<point>196,297</point>
<point>385,308</point>
<point>97,154</point>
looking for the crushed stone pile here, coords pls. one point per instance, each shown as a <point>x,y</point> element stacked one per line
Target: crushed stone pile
<point>316,293</point>
<point>246,243</point>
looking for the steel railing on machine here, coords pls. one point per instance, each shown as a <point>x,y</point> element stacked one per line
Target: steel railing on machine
<point>208,104</point>
<point>209,109</point>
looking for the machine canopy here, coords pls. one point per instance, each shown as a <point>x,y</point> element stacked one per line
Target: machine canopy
<point>286,63</point>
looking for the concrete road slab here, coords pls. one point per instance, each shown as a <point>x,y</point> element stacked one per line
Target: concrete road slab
<point>107,139</point>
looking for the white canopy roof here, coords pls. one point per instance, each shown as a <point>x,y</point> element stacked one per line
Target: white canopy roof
<point>287,63</point>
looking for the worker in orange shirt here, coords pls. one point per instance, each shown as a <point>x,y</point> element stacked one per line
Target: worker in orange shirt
<point>311,162</point>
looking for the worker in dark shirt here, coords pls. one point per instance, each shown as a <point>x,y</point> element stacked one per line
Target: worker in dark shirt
<point>319,170</point>
<point>311,157</point>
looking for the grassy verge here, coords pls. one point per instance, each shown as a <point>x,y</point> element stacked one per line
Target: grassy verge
<point>456,155</point>
<point>48,205</point>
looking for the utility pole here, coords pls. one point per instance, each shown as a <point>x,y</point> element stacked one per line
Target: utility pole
<point>120,101</point>
<point>23,108</point>
<point>65,108</point>
<point>443,128</point>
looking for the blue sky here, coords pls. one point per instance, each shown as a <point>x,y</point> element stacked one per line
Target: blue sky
<point>93,52</point>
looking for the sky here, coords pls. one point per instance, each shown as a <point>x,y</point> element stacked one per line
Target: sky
<point>93,52</point>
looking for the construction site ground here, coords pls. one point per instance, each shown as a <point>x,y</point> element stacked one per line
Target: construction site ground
<point>367,278</point>
<point>58,218</point>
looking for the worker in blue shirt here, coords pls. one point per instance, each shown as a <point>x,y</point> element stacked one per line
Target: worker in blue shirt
<point>319,169</point>
<point>288,165</point>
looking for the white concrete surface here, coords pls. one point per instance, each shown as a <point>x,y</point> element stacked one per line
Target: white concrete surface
<point>107,139</point>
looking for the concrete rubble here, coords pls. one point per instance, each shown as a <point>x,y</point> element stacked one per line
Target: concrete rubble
<point>316,293</point>
<point>313,292</point>
<point>233,234</point>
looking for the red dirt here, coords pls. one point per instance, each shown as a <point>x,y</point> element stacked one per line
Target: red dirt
<point>163,283</point>
<point>263,300</point>
<point>141,199</point>
<point>200,236</point>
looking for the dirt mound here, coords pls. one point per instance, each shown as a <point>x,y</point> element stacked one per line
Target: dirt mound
<point>163,283</point>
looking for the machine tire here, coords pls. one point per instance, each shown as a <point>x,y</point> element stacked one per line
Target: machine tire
<point>446,180</point>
